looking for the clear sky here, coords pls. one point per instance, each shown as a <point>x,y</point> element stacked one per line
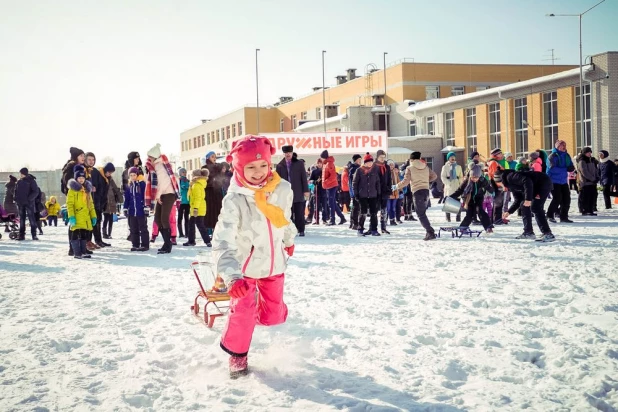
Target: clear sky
<point>121,75</point>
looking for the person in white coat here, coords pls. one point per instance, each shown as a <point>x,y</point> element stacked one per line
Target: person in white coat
<point>452,177</point>
<point>252,241</point>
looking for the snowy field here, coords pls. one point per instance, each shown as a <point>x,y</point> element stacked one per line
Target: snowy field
<point>376,324</point>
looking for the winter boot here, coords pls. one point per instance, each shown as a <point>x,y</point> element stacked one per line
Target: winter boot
<point>375,232</point>
<point>238,366</point>
<point>383,231</point>
<point>152,239</point>
<point>77,249</point>
<point>429,236</point>
<point>448,217</point>
<point>167,242</point>
<point>86,254</point>
<point>173,240</point>
<point>393,222</point>
<point>361,225</point>
<point>412,218</point>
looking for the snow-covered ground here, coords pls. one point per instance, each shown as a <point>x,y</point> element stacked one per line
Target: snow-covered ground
<point>380,324</point>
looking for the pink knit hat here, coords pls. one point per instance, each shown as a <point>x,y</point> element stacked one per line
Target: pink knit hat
<point>247,150</point>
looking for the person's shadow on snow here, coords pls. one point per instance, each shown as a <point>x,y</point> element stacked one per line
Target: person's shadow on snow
<point>318,383</point>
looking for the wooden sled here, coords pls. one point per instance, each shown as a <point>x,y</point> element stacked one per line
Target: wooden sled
<point>213,298</point>
<point>458,231</point>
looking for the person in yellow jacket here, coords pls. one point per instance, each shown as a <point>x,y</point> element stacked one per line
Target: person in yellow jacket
<point>197,207</point>
<point>53,209</point>
<point>80,209</point>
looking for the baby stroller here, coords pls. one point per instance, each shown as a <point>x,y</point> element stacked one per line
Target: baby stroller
<point>10,221</point>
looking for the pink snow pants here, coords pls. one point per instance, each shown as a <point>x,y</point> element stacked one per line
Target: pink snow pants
<point>173,225</point>
<point>266,309</point>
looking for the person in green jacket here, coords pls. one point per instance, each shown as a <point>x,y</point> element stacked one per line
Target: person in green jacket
<point>197,204</point>
<point>183,210</point>
<point>80,209</point>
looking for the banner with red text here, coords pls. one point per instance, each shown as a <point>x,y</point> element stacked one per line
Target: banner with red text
<point>335,142</point>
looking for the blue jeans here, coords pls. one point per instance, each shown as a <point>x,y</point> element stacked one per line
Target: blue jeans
<point>332,204</point>
<point>391,206</point>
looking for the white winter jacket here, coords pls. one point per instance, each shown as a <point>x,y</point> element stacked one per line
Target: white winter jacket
<point>245,243</point>
<point>451,185</point>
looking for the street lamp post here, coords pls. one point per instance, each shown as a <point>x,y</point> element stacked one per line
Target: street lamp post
<point>323,94</point>
<point>257,91</point>
<point>581,69</point>
<point>385,114</point>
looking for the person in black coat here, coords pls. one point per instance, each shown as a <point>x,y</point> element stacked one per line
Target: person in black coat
<point>9,197</point>
<point>293,170</point>
<point>607,169</point>
<point>100,183</point>
<point>367,187</point>
<point>78,157</point>
<point>386,182</point>
<point>133,160</point>
<point>352,169</point>
<point>26,192</point>
<point>473,190</point>
<point>535,187</point>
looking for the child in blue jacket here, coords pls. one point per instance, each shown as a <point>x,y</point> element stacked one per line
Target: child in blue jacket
<point>133,208</point>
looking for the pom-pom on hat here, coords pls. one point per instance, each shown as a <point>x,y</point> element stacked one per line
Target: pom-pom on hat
<point>249,149</point>
<point>367,158</point>
<point>155,152</point>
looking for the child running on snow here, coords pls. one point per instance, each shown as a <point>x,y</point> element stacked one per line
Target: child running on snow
<point>252,240</point>
<point>474,189</point>
<point>80,208</point>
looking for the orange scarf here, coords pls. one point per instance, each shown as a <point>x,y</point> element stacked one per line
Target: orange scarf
<point>272,212</point>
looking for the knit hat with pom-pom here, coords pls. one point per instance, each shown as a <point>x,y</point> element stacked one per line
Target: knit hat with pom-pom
<point>247,150</point>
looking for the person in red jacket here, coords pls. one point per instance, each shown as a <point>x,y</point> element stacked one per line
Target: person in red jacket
<point>330,184</point>
<point>345,187</point>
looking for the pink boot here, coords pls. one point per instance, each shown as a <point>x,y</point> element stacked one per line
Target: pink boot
<point>238,366</point>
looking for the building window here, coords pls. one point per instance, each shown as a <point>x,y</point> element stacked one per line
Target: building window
<point>587,140</point>
<point>223,133</point>
<point>412,128</point>
<point>494,126</point>
<point>191,164</point>
<point>227,132</point>
<point>294,122</point>
<point>521,127</point>
<point>318,113</point>
<point>432,92</point>
<point>234,130</point>
<point>218,137</point>
<point>429,162</point>
<point>281,125</point>
<point>481,88</point>
<point>550,119</point>
<point>431,125</point>
<point>208,138</point>
<point>449,128</point>
<point>195,143</point>
<point>303,116</point>
<point>458,90</point>
<point>471,129</point>
<point>239,128</point>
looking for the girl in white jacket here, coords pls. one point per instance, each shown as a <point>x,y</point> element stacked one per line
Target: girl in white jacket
<point>252,241</point>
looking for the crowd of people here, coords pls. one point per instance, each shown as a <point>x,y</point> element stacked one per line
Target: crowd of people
<point>250,210</point>
<point>374,191</point>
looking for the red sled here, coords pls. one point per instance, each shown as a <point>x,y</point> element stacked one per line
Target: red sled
<point>217,296</point>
